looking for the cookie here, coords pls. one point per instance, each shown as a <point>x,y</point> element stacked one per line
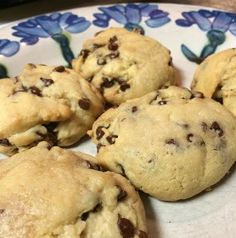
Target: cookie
<point>171,144</point>
<point>58,193</point>
<point>216,78</point>
<point>46,103</point>
<point>124,64</point>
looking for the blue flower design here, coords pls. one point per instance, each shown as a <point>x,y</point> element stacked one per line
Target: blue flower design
<point>8,48</point>
<point>130,15</point>
<point>214,23</point>
<point>54,25</point>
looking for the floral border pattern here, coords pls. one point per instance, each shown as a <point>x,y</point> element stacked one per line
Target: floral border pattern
<point>55,26</point>
<point>130,16</point>
<point>8,48</point>
<point>214,23</point>
<point>133,16</point>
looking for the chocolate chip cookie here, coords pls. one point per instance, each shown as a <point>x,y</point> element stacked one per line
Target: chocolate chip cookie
<point>51,192</point>
<point>171,144</point>
<point>124,65</point>
<point>216,78</point>
<point>46,103</point>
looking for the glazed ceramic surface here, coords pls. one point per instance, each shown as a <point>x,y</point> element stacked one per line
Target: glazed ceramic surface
<point>191,33</point>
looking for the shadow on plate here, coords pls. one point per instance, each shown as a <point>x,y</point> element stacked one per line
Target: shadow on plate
<point>152,219</point>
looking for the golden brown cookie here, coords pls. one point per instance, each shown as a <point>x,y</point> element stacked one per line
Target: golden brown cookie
<point>46,103</point>
<point>124,64</point>
<point>216,78</point>
<point>171,144</point>
<point>51,192</point>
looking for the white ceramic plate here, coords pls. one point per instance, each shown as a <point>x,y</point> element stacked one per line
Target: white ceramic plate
<point>191,33</point>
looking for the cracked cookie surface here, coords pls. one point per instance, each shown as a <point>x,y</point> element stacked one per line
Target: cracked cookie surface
<point>216,78</point>
<point>46,103</point>
<point>51,192</point>
<point>171,144</point>
<point>124,65</point>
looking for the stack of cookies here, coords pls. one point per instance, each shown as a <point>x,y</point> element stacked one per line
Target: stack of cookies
<point>167,141</point>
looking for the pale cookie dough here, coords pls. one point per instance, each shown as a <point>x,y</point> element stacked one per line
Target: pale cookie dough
<point>46,103</point>
<point>124,65</point>
<point>172,144</point>
<point>216,78</point>
<point>51,192</point>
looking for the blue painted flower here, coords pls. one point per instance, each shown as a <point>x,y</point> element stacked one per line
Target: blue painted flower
<point>54,25</point>
<point>214,23</point>
<point>131,15</point>
<point>8,48</point>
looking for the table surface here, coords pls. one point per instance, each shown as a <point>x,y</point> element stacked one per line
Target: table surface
<point>43,6</point>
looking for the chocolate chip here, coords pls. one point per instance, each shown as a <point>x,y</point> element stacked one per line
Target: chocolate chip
<point>84,216</point>
<point>215,126</point>
<point>171,142</point>
<point>202,143</point>
<point>47,82</point>
<point>126,227</point>
<point>162,102</point>
<point>113,39</point>
<point>107,83</point>
<point>84,103</point>
<point>97,208</point>
<point>134,109</point>
<point>2,211</point>
<point>114,55</point>
<point>190,137</point>
<point>5,142</point>
<point>124,87</point>
<point>197,95</point>
<point>35,90</point>
<point>122,194</point>
<point>59,69</point>
<point>142,234</point>
<point>84,53</point>
<point>112,44</point>
<point>99,132</point>
<point>111,139</point>
<point>99,145</point>
<point>101,61</point>
<point>204,126</point>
